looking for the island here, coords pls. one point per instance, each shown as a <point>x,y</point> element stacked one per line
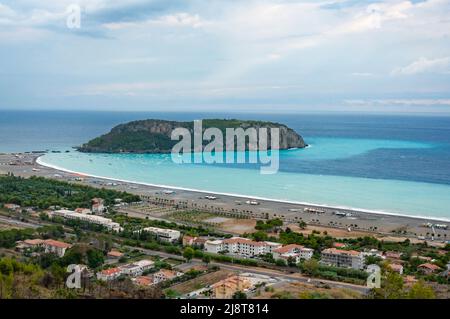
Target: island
<point>154,136</point>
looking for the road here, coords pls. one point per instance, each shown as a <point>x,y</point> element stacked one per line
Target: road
<point>18,223</point>
<point>296,277</point>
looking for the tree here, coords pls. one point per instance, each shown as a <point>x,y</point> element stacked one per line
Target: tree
<point>239,295</point>
<point>421,291</point>
<point>206,259</point>
<point>311,266</point>
<point>291,261</point>
<point>302,225</point>
<point>95,258</point>
<point>260,236</point>
<point>280,262</point>
<point>188,253</point>
<point>391,287</point>
<point>370,260</point>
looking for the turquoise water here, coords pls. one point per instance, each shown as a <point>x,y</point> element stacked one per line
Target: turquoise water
<point>387,195</point>
<point>393,163</point>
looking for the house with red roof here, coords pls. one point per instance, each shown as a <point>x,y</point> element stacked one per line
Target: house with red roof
<point>396,268</point>
<point>428,268</point>
<point>109,274</point>
<point>56,247</point>
<point>293,251</point>
<point>49,246</point>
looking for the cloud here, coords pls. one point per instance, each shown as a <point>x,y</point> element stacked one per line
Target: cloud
<point>133,60</point>
<point>404,102</point>
<point>181,19</point>
<point>108,11</point>
<point>424,65</point>
<point>247,49</point>
<point>170,89</point>
<point>113,89</point>
<point>363,74</point>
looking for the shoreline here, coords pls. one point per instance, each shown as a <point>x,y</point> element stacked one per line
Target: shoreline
<point>343,222</point>
<point>352,209</point>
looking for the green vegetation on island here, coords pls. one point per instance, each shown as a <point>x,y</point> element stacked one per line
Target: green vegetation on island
<point>154,136</point>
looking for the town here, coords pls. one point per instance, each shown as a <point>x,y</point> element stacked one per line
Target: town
<point>47,225</point>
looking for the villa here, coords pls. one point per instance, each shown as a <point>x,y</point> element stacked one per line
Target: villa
<point>396,268</point>
<point>137,268</point>
<point>193,241</point>
<point>114,254</point>
<point>11,206</point>
<point>163,234</point>
<point>143,281</point>
<point>134,269</point>
<point>49,246</point>
<point>428,268</point>
<point>343,258</point>
<point>293,251</point>
<point>109,274</point>
<point>165,274</point>
<point>226,288</point>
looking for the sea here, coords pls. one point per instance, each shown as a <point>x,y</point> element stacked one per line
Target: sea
<point>394,164</point>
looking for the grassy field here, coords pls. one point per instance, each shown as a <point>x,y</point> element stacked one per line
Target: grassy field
<point>173,262</point>
<point>305,291</point>
<point>196,217</point>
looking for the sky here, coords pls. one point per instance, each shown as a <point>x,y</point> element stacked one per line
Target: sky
<point>252,55</point>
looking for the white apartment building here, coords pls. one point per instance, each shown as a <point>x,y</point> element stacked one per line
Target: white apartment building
<point>343,258</point>
<point>165,274</point>
<point>241,247</point>
<point>134,269</point>
<point>214,246</point>
<point>297,252</point>
<point>163,234</point>
<point>108,223</point>
<point>137,268</point>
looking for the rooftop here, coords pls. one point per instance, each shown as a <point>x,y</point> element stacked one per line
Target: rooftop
<point>111,271</point>
<point>143,280</point>
<point>341,252</point>
<point>429,266</point>
<point>240,240</point>
<point>396,267</point>
<point>56,243</point>
<point>115,253</point>
<point>288,248</point>
<point>167,273</point>
<point>33,241</point>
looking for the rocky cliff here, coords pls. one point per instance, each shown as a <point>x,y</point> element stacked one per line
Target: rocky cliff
<point>154,136</point>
